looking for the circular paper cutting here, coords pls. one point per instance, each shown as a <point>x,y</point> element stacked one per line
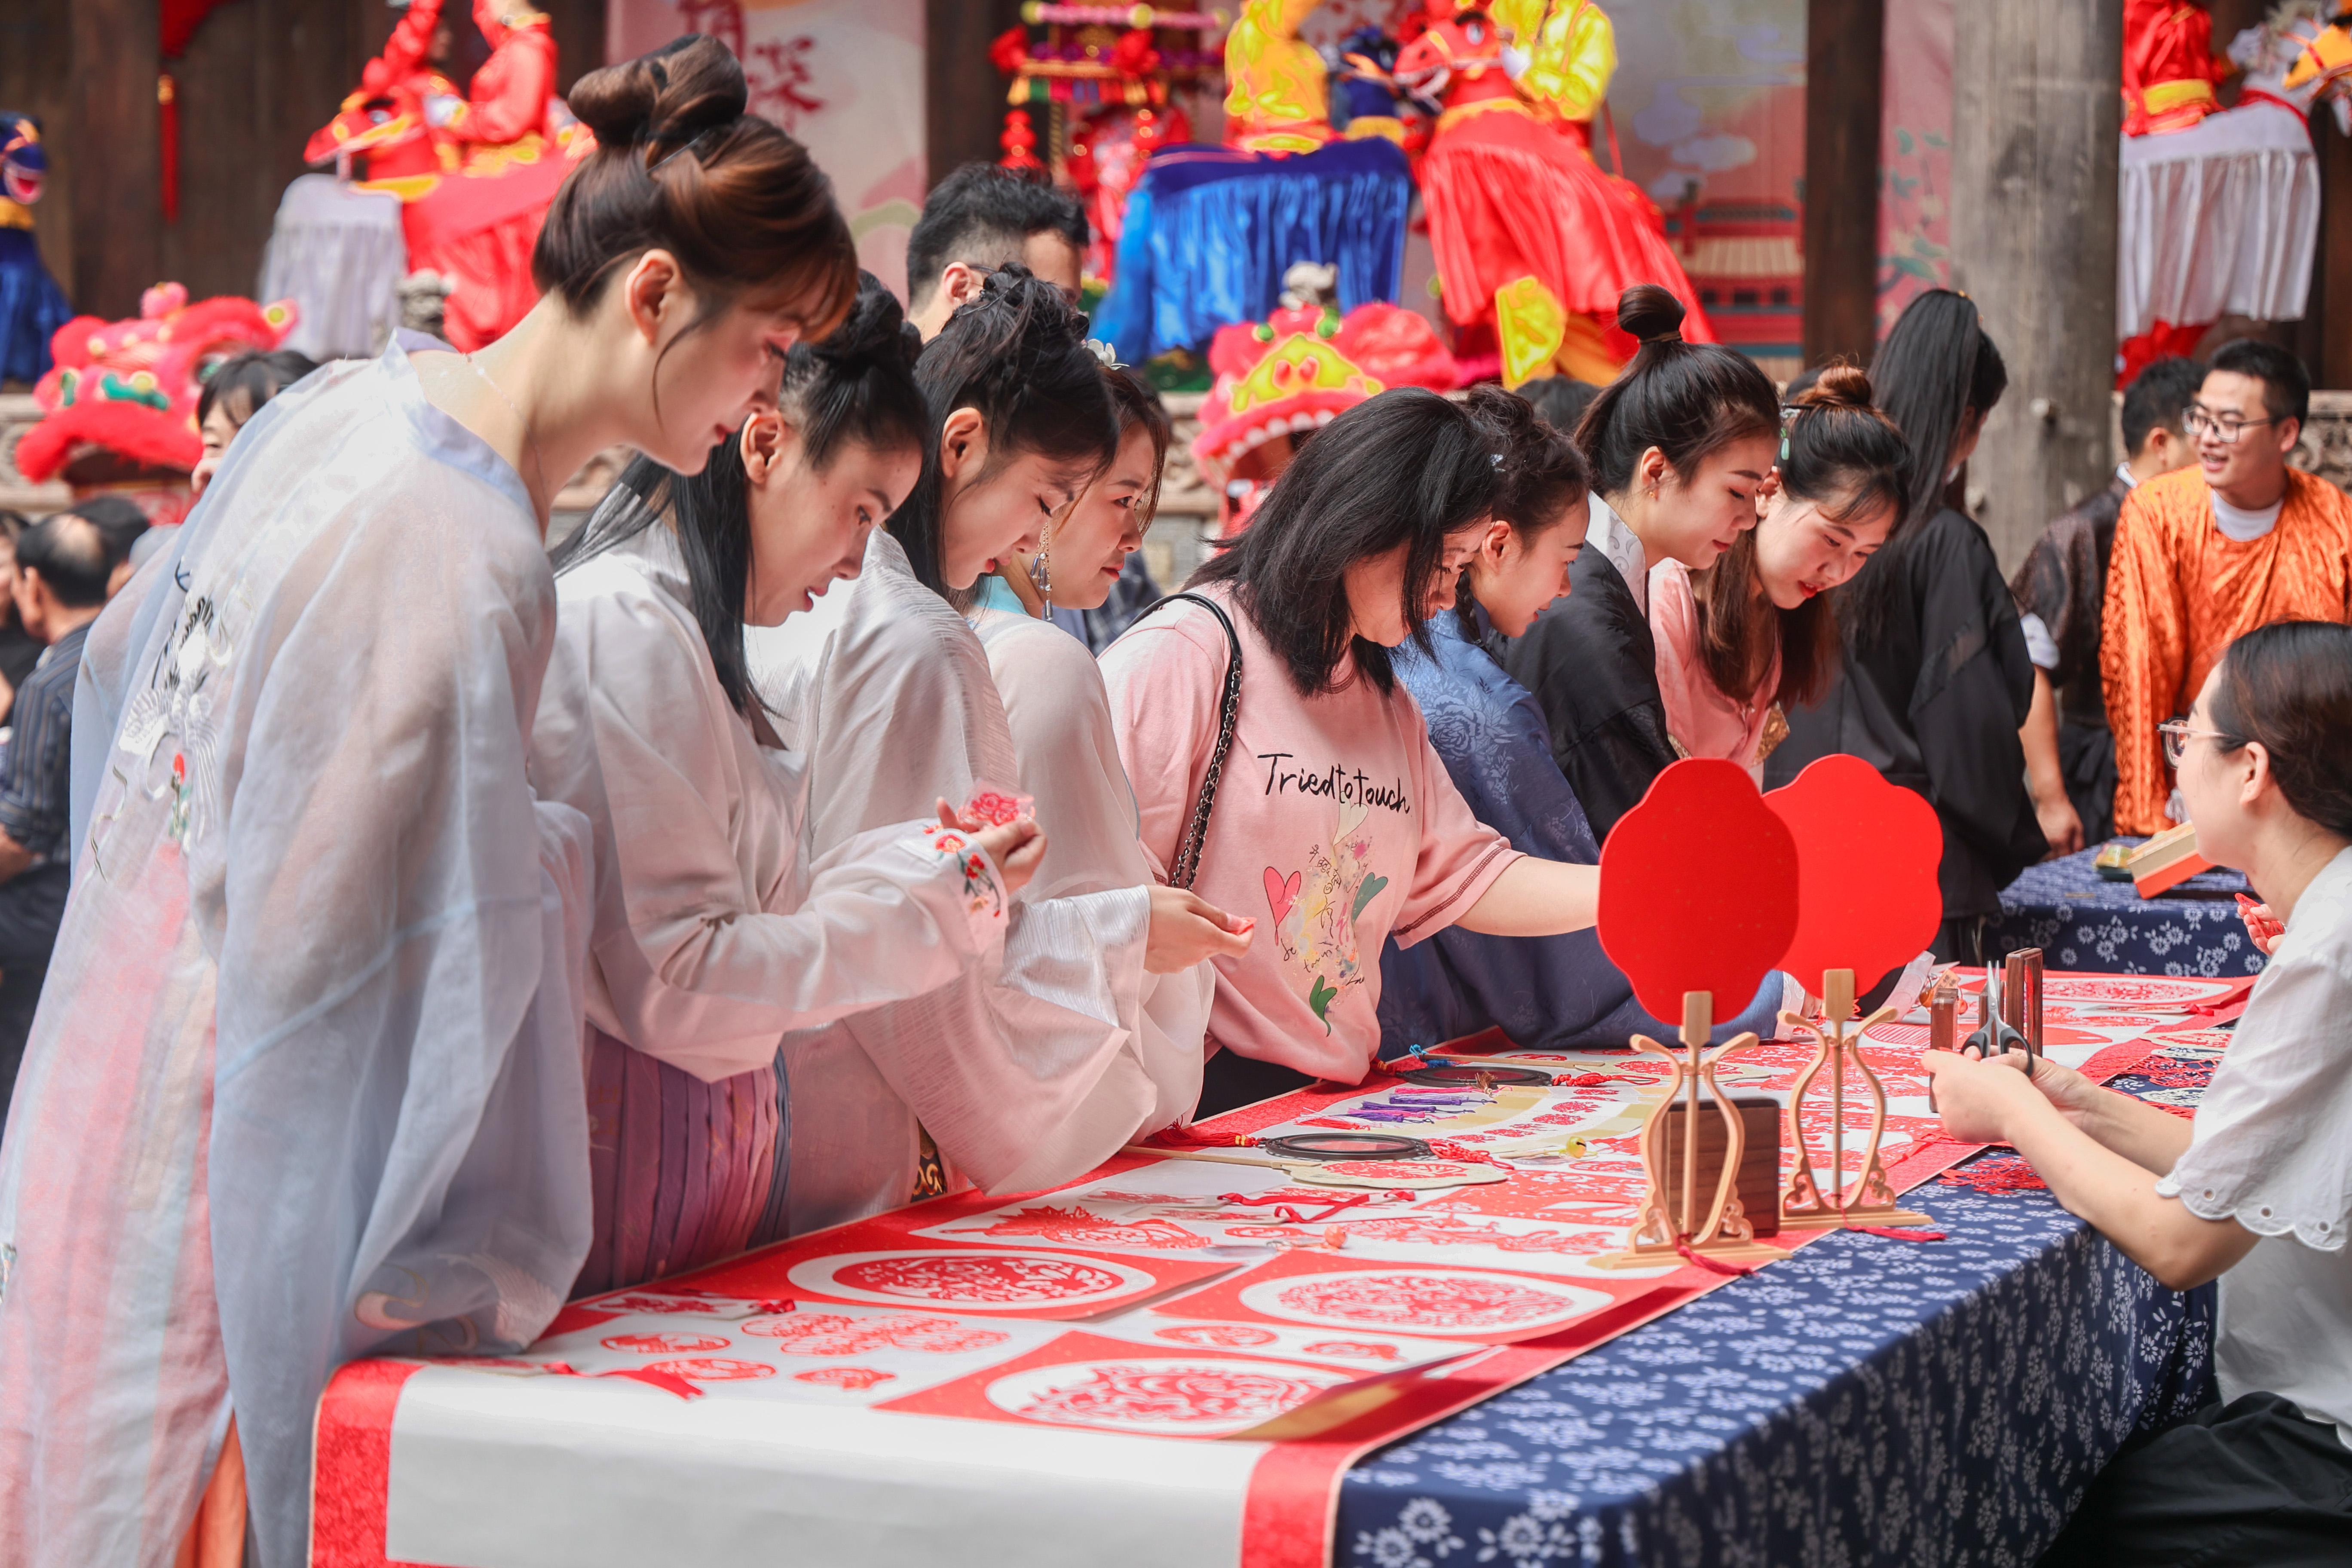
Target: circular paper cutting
<point>2132,988</point>
<point>850,1377</point>
<point>648,1344</point>
<point>712,1368</point>
<point>1224,1336</point>
<point>1200,1398</point>
<point>971,1281</point>
<point>1422,1300</point>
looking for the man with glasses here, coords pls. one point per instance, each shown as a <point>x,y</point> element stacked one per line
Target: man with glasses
<point>2209,552</point>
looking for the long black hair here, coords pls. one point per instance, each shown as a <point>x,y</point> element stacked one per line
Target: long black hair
<point>1688,400</point>
<point>1404,467</point>
<point>856,386</point>
<point>1016,351</point>
<point>1936,370</point>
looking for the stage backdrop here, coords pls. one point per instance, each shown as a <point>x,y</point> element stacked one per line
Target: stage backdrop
<point>844,76</point>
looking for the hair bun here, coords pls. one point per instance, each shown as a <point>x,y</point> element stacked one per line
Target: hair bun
<point>1837,386</point>
<point>875,329</point>
<point>663,99</point>
<point>1650,314</point>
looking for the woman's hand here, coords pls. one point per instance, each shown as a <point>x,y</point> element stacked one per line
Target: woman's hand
<point>2264,929</point>
<point>1187,930</point>
<point>1983,1101</point>
<point>1016,847</point>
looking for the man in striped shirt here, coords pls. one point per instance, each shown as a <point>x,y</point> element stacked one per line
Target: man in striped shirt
<point>62,567</point>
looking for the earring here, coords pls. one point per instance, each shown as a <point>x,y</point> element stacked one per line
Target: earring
<point>1041,571</point>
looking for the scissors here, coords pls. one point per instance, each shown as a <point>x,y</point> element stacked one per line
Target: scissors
<point>1994,1035</point>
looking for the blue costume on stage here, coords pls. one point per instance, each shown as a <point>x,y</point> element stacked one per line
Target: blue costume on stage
<point>32,308</point>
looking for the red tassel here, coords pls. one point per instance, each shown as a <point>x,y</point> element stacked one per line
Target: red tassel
<point>1892,1234</point>
<point>1712,1264</point>
<point>1176,1135</point>
<point>167,131</point>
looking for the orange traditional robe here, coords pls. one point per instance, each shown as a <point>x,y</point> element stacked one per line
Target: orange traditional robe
<point>2179,591</point>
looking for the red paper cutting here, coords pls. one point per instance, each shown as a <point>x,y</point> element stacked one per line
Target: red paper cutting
<point>1867,853</point>
<point>1698,889</point>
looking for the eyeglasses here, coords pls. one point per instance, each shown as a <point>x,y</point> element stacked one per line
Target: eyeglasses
<point>2176,734</point>
<point>2225,429</point>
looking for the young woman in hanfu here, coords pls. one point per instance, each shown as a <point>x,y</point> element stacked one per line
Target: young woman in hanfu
<point>1036,1074</point>
<point>2255,1190</point>
<point>1934,680</point>
<point>1756,630</point>
<point>1060,717</point>
<point>1680,445</point>
<point>1331,814</point>
<point>306,1081</point>
<point>728,937</point>
<point>1543,992</point>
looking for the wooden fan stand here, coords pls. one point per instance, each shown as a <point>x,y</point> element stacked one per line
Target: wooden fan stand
<point>1674,1221</point>
<point>1869,1199</point>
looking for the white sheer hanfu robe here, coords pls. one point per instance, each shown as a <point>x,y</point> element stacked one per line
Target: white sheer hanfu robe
<point>1019,1081</point>
<point>1059,714</point>
<point>721,939</point>
<point>305,1083</point>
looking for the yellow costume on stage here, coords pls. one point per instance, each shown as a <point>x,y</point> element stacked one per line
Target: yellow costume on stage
<point>1278,100</point>
<point>1571,50</point>
<point>2179,591</point>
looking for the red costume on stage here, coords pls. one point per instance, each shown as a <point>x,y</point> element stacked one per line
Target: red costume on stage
<point>2170,71</point>
<point>476,171</point>
<point>1512,192</point>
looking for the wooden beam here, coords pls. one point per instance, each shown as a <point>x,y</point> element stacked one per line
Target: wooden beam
<point>963,95</point>
<point>117,213</point>
<point>2036,112</point>
<point>2323,336</point>
<point>1844,62</point>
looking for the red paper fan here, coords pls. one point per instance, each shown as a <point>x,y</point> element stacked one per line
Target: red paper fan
<point>1867,852</point>
<point>1698,889</point>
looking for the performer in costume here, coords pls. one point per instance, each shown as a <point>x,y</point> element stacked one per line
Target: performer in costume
<point>1755,634</point>
<point>496,155</point>
<point>32,307</point>
<point>1276,99</point>
<point>2254,1189</point>
<point>2062,594</point>
<point>1680,445</point>
<point>1332,809</point>
<point>729,936</point>
<point>1541,991</point>
<point>2218,208</point>
<point>1030,1077</point>
<point>1512,191</point>
<point>305,1084</point>
<point>1059,713</point>
<point>1935,681</point>
<point>2206,555</point>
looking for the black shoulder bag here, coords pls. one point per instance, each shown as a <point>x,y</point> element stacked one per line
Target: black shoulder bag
<point>1228,707</point>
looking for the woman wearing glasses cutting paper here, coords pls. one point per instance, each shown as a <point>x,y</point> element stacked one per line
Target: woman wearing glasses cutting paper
<point>2257,1191</point>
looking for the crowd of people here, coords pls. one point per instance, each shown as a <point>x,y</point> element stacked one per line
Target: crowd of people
<point>427,927</point>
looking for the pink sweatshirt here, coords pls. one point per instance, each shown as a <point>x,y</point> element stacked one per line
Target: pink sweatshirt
<point>1336,828</point>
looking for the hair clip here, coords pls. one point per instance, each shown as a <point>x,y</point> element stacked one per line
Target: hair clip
<point>685,147</point>
<point>1105,355</point>
<point>1495,458</point>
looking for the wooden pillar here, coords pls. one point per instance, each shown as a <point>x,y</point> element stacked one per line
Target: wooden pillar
<point>1845,43</point>
<point>2036,110</point>
<point>118,210</point>
<point>963,95</point>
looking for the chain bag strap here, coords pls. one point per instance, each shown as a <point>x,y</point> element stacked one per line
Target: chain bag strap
<point>1228,708</point>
